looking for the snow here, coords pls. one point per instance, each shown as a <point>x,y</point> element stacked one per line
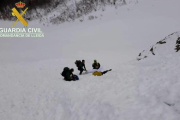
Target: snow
<point>164,49</point>
<point>32,88</point>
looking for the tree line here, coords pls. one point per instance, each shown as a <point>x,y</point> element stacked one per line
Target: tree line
<point>73,11</point>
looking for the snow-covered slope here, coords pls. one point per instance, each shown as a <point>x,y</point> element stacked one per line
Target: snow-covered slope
<point>31,87</point>
<point>143,90</point>
<point>164,48</point>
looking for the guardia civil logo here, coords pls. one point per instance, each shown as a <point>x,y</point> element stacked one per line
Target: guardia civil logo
<point>24,31</point>
<point>18,15</point>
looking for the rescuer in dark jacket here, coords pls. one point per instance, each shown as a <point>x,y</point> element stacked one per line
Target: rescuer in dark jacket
<point>68,74</point>
<point>81,66</point>
<point>96,65</point>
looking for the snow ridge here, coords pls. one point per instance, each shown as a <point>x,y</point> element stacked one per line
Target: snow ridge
<point>166,46</point>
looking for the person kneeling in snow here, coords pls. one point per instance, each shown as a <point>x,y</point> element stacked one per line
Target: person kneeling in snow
<point>96,65</point>
<point>99,73</point>
<point>68,74</point>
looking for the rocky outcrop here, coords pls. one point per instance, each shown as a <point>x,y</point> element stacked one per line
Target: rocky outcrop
<point>169,45</point>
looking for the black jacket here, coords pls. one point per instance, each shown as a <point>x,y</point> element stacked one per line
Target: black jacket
<point>83,65</point>
<point>96,65</point>
<point>80,65</point>
<point>68,75</point>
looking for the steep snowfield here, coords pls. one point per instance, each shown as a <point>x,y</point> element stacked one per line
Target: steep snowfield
<point>164,48</point>
<point>145,90</point>
<point>31,87</point>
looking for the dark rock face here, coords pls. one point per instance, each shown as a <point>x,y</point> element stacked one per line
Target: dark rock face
<point>161,42</point>
<point>177,48</point>
<point>178,40</point>
<point>152,51</point>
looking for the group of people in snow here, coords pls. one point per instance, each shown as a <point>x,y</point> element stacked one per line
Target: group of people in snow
<point>68,73</point>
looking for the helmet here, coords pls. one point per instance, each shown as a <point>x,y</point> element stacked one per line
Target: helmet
<point>95,60</point>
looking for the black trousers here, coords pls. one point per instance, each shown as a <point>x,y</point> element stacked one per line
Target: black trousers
<point>104,72</point>
<point>81,70</point>
<point>66,79</point>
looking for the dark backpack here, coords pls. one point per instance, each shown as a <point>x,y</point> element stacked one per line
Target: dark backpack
<point>78,62</point>
<point>65,70</point>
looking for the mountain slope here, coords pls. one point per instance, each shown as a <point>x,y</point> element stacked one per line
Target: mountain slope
<point>168,46</point>
<point>32,88</point>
